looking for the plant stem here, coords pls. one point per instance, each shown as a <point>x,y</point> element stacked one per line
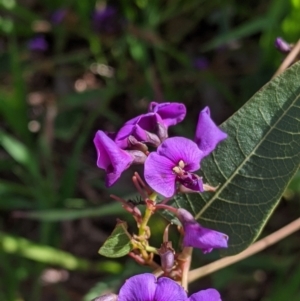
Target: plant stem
<point>253,249</point>
<point>185,259</point>
<point>289,59</point>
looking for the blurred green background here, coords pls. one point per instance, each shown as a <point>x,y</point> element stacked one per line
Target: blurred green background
<point>69,68</point>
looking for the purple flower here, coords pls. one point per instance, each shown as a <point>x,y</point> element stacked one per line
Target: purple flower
<point>141,128</point>
<point>170,113</point>
<point>201,63</point>
<point>152,127</point>
<point>199,237</point>
<point>177,157</point>
<point>58,16</point>
<point>173,161</point>
<point>145,287</point>
<point>106,20</point>
<point>111,158</point>
<point>38,43</point>
<point>208,135</point>
<point>282,45</point>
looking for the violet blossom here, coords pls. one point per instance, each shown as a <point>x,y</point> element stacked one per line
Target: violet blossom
<point>146,287</point>
<point>199,237</point>
<point>37,43</point>
<point>174,161</point>
<point>208,134</point>
<point>282,45</point>
<point>170,113</point>
<point>111,158</point>
<point>152,127</point>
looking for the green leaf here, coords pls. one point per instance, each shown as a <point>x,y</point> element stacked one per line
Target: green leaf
<point>254,165</point>
<point>19,152</point>
<point>118,243</point>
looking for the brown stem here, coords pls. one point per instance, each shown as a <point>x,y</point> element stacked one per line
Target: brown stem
<point>185,259</point>
<point>253,249</point>
<point>289,59</point>
<point>170,208</point>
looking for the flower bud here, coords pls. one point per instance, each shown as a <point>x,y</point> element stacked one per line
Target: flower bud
<point>199,237</point>
<point>282,45</point>
<point>166,253</point>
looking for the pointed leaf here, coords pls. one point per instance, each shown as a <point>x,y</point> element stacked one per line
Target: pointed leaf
<point>118,243</point>
<point>254,165</point>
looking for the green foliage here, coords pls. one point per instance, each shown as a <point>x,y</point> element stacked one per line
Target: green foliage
<point>290,24</point>
<point>254,165</point>
<point>118,244</point>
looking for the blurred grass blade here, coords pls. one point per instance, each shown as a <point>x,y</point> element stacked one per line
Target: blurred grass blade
<point>19,152</point>
<point>48,255</point>
<point>10,187</point>
<point>13,107</point>
<point>244,30</point>
<point>57,215</point>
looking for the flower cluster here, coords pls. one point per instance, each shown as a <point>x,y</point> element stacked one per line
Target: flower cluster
<point>168,169</point>
<point>172,165</point>
<point>146,287</point>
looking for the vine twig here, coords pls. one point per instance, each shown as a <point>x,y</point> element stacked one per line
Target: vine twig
<point>253,249</point>
<point>289,59</point>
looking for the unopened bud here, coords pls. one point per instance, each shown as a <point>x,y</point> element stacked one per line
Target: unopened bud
<point>166,253</point>
<point>282,45</point>
<point>106,297</point>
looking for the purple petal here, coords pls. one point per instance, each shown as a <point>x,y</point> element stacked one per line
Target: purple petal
<point>139,288</point>
<point>121,137</point>
<point>170,113</point>
<point>37,43</point>
<point>203,238</point>
<point>191,181</point>
<point>206,295</point>
<point>159,174</point>
<point>199,237</point>
<point>139,127</point>
<point>168,290</point>
<point>208,135</point>
<point>282,45</point>
<point>179,148</point>
<point>110,157</point>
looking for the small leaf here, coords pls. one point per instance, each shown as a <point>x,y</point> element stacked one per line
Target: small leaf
<point>118,243</point>
<point>254,165</point>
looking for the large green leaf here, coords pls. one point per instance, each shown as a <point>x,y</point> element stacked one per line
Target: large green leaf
<point>254,165</point>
